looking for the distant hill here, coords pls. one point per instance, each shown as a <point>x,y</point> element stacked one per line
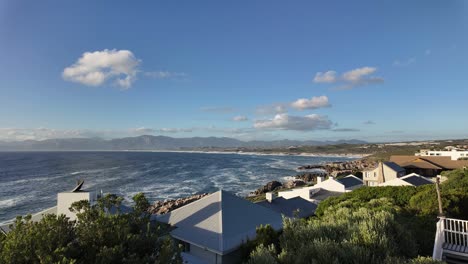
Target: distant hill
<point>148,142</point>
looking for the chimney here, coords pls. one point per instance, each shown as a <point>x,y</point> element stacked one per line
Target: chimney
<point>270,196</point>
<point>319,179</point>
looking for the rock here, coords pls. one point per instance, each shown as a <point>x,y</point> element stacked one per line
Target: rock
<point>271,186</point>
<point>309,176</point>
<point>339,168</point>
<point>293,184</point>
<point>164,207</point>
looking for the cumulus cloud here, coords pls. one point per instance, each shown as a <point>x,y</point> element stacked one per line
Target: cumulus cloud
<point>98,67</point>
<point>166,75</point>
<point>325,77</point>
<point>298,123</point>
<point>313,103</point>
<point>350,79</point>
<point>240,118</point>
<point>345,130</point>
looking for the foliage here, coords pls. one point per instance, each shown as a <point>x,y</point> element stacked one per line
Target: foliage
<point>342,235</point>
<point>101,234</point>
<point>265,235</point>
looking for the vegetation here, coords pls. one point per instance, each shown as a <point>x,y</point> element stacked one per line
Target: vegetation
<point>101,234</point>
<point>369,225</point>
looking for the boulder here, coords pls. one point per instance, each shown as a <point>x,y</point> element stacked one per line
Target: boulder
<point>269,187</point>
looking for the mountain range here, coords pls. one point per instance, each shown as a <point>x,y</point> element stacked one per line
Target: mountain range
<point>148,142</point>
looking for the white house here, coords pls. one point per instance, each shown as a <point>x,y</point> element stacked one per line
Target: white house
<point>412,179</point>
<point>384,171</point>
<point>64,201</point>
<point>213,228</point>
<point>454,153</point>
<point>332,185</point>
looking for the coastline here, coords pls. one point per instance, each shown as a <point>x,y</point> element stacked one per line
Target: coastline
<point>251,153</point>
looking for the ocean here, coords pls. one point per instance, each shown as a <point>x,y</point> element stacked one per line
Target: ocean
<point>30,181</point>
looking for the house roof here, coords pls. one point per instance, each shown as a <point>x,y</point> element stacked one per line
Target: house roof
<point>416,180</point>
<point>220,222</point>
<point>422,164</point>
<point>393,166</point>
<point>289,207</point>
<point>439,161</point>
<point>350,181</point>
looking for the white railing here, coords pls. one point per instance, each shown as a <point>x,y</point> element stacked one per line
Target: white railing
<point>456,232</point>
<point>451,234</point>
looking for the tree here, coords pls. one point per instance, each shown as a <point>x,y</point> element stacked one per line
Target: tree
<point>101,234</point>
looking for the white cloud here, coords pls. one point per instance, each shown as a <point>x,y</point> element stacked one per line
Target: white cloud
<point>174,130</point>
<point>217,109</point>
<point>96,68</point>
<point>240,118</point>
<point>142,131</point>
<point>277,108</point>
<point>20,134</point>
<point>313,103</point>
<point>325,77</point>
<point>166,75</point>
<point>298,123</point>
<point>350,79</point>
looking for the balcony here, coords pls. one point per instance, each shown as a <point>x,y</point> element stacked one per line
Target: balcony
<point>451,241</point>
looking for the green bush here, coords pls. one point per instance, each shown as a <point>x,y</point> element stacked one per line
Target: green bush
<point>96,237</point>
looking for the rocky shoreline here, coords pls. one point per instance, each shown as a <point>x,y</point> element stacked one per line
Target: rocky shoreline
<point>308,176</point>
<point>164,207</point>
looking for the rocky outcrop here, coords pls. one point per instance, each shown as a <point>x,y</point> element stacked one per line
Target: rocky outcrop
<point>341,168</point>
<point>309,176</point>
<point>271,186</point>
<point>293,184</point>
<point>164,207</point>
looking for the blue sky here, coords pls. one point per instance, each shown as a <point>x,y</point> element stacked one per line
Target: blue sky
<point>371,70</point>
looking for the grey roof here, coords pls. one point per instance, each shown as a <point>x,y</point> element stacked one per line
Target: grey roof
<point>289,207</point>
<point>220,222</point>
<point>394,166</point>
<point>350,181</point>
<point>416,180</point>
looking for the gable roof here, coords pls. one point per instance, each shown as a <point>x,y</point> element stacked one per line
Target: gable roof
<point>289,207</point>
<point>350,181</point>
<point>392,165</point>
<point>220,222</point>
<point>416,180</point>
<point>443,162</point>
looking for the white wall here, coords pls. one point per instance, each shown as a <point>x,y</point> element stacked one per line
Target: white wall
<point>331,185</point>
<point>395,182</point>
<point>65,200</point>
<point>454,155</point>
<point>302,192</point>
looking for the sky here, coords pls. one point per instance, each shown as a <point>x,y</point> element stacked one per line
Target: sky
<point>252,70</point>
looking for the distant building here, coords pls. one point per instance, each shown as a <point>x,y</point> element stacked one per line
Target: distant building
<point>453,152</point>
<point>213,228</point>
<point>385,171</point>
<point>428,166</point>
<point>412,179</point>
